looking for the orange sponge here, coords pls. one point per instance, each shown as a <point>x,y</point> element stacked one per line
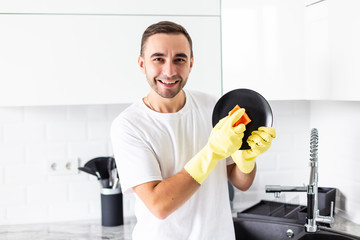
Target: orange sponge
<point>244,118</point>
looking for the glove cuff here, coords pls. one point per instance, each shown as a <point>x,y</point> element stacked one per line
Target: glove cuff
<point>245,165</point>
<point>200,166</point>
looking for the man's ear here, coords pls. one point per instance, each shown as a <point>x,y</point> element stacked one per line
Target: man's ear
<point>191,62</point>
<point>141,63</point>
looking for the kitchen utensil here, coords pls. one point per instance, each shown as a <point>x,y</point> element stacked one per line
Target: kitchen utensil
<point>105,183</point>
<point>87,170</point>
<point>100,167</point>
<point>256,106</point>
<point>91,164</point>
<point>109,168</point>
<point>92,172</point>
<point>115,184</point>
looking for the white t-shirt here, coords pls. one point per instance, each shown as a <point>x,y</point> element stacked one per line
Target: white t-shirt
<point>151,146</point>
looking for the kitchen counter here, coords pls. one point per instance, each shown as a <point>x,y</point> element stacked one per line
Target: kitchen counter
<point>343,225</point>
<point>92,229</point>
<point>77,230</point>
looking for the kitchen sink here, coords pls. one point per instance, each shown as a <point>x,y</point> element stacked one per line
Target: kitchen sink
<point>276,212</point>
<point>323,235</point>
<point>290,213</point>
<point>260,229</point>
<point>257,229</point>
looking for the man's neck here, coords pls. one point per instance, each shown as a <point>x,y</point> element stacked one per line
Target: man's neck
<point>165,105</point>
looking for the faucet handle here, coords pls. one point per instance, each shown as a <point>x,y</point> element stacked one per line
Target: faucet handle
<point>332,220</point>
<point>332,209</point>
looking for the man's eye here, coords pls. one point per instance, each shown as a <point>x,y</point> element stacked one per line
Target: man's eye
<point>180,60</point>
<point>157,59</point>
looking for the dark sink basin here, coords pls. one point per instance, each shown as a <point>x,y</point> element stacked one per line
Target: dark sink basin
<point>258,229</point>
<point>324,235</point>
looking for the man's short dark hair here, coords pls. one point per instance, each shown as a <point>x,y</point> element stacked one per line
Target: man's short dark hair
<point>165,27</point>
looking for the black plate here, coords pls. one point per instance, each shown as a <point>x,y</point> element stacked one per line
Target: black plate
<point>256,107</point>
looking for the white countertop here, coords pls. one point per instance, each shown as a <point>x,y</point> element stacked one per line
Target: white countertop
<point>77,230</point>
<point>343,225</point>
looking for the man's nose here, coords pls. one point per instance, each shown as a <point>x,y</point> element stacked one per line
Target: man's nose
<point>169,69</point>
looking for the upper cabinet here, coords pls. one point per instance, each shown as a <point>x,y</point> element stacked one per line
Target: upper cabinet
<point>262,46</point>
<point>317,58</point>
<point>290,49</point>
<point>142,7</point>
<point>333,49</point>
<point>64,59</point>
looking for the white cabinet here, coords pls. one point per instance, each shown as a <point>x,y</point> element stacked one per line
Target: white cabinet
<point>262,46</point>
<point>287,51</point>
<point>344,39</point>
<point>317,58</point>
<point>333,50</point>
<point>91,59</point>
<point>142,7</point>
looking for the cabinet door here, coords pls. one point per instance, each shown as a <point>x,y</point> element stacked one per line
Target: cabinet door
<point>76,59</point>
<point>333,50</point>
<point>344,39</point>
<point>317,52</point>
<point>153,7</point>
<point>263,47</point>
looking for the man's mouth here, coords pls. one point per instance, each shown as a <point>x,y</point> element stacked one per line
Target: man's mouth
<point>168,83</point>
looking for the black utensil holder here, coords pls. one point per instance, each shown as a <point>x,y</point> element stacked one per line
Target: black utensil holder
<point>111,207</point>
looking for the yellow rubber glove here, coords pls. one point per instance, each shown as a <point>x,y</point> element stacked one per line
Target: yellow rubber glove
<point>260,142</point>
<point>223,141</point>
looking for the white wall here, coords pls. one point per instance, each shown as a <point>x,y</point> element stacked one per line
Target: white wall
<point>31,137</point>
<point>287,161</point>
<point>339,159</point>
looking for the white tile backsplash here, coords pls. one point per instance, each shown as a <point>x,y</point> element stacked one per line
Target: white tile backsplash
<point>98,130</point>
<point>23,174</point>
<point>30,137</point>
<point>12,196</point>
<point>88,149</point>
<point>11,154</point>
<point>40,152</point>
<point>45,114</point>
<point>1,134</point>
<point>27,213</point>
<point>66,131</point>
<point>338,126</point>
<point>11,115</point>
<point>77,191</point>
<point>79,210</point>
<point>24,132</point>
<point>44,193</point>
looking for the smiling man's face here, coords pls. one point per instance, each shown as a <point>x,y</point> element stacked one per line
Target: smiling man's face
<point>167,63</point>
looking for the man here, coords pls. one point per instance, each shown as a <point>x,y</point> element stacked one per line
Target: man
<point>169,155</point>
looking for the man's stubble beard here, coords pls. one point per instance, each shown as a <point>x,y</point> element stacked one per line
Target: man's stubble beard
<point>167,93</point>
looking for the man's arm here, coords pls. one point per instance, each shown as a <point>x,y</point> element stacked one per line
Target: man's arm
<point>163,197</point>
<point>240,180</point>
<point>242,173</point>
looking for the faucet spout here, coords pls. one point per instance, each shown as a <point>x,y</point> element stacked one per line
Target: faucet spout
<point>277,189</point>
<point>314,141</point>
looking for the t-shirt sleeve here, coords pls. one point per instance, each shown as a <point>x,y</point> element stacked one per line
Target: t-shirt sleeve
<point>135,160</point>
<point>229,161</point>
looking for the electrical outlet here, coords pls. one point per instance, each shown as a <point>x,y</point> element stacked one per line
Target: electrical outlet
<point>63,166</point>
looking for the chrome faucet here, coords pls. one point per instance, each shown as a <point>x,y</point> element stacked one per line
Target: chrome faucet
<point>313,215</point>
